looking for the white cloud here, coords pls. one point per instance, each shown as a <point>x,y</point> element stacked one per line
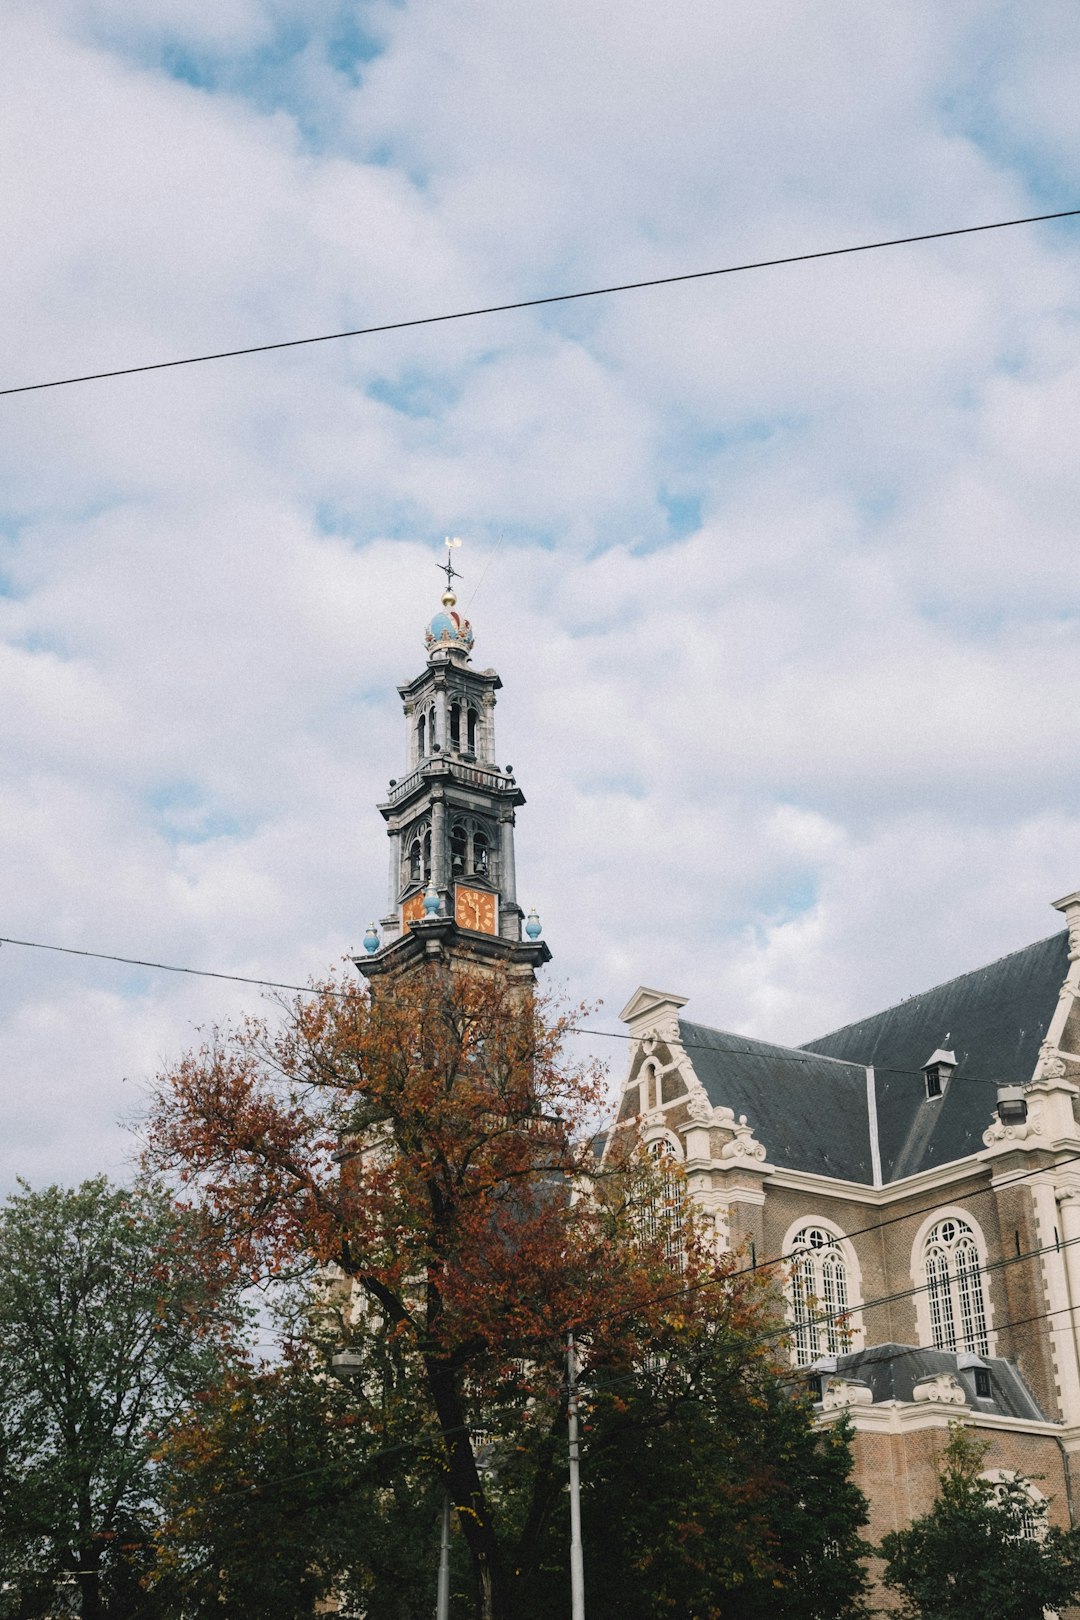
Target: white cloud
<point>784,602</point>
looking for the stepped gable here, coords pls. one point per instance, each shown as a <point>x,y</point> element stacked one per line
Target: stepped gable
<point>994,1019</point>
<point>808,1112</point>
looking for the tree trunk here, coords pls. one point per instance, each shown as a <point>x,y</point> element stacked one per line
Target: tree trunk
<point>467,1493</point>
<point>89,1579</point>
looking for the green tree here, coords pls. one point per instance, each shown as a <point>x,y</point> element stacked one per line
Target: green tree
<point>708,1492</point>
<point>276,1497</point>
<point>980,1554</point>
<point>112,1317</point>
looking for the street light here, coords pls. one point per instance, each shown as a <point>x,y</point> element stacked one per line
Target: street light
<point>1012,1108</point>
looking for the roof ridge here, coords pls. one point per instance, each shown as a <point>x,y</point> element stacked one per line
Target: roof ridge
<point>776,1046</point>
<point>929,991</point>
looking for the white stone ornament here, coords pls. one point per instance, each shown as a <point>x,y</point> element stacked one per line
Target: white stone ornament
<point>742,1144</point>
<point>843,1392</point>
<point>699,1108</point>
<point>942,1387</point>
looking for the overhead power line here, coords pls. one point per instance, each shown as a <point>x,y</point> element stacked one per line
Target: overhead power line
<point>606,1034</point>
<point>536,303</point>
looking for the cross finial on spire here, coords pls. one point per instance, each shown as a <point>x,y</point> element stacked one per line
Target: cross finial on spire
<point>452,543</point>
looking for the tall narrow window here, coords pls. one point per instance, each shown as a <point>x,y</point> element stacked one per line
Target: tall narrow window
<point>480,852</point>
<point>455,725</point>
<point>415,860</point>
<point>427,854</point>
<point>471,730</point>
<point>459,848</point>
<point>954,1286</point>
<point>819,1296</point>
<point>421,736</point>
<point>666,1210</point>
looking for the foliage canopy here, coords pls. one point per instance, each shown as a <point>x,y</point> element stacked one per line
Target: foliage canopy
<point>980,1553</point>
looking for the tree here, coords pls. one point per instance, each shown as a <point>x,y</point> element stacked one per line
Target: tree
<point>274,1500</point>
<point>112,1317</point>
<point>980,1554</point>
<point>428,1146</point>
<point>709,1492</point>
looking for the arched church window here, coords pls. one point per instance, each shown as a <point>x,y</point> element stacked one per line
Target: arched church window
<point>666,1209</point>
<point>481,848</point>
<point>954,1288</point>
<point>421,736</point>
<point>471,722</point>
<point>819,1295</point>
<point>416,857</point>
<point>459,848</point>
<point>455,725</point>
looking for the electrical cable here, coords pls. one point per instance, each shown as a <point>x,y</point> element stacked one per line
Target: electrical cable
<point>535,303</point>
<point>609,1034</point>
<point>687,1289</point>
<point>757,1265</point>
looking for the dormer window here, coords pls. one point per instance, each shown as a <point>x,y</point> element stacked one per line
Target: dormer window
<point>983,1390</point>
<point>936,1072</point>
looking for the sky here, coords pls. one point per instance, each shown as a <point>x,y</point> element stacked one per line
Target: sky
<point>778,570</point>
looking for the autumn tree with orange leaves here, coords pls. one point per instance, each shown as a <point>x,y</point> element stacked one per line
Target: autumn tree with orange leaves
<point>426,1149</point>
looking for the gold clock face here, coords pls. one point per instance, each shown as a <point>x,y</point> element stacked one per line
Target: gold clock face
<point>475,909</point>
<point>413,909</point>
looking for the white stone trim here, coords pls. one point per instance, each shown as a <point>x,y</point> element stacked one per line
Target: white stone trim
<point>895,1416</point>
<point>872,1121</point>
<point>655,1131</point>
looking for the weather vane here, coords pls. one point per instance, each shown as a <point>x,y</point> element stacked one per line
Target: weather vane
<point>451,572</point>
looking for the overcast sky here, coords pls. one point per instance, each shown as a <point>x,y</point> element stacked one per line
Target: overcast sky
<point>779,571</point>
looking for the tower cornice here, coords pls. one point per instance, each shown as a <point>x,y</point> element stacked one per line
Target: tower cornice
<point>442,940</point>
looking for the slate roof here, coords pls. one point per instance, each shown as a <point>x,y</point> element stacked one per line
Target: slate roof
<point>808,1104</point>
<point>994,1019</point>
<point>893,1370</point>
<point>808,1111</point>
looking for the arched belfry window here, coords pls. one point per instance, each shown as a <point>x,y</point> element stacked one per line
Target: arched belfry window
<point>820,1296</point>
<point>954,1287</point>
<point>417,861</point>
<point>455,725</point>
<point>470,848</point>
<point>421,736</point>
<point>471,723</point>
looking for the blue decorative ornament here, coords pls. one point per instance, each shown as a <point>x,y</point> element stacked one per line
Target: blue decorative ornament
<point>449,630</point>
<point>532,926</point>
<point>371,939</point>
<point>431,901</point>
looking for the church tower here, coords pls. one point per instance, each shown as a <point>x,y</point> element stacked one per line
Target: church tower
<point>450,820</point>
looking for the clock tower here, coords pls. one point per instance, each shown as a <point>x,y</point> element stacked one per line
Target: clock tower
<point>450,818</point>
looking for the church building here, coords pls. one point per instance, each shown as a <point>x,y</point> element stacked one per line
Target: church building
<point>916,1172</point>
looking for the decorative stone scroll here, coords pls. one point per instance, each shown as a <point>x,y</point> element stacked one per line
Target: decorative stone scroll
<point>998,1132</point>
<point>843,1392</point>
<point>942,1387</point>
<point>742,1144</point>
